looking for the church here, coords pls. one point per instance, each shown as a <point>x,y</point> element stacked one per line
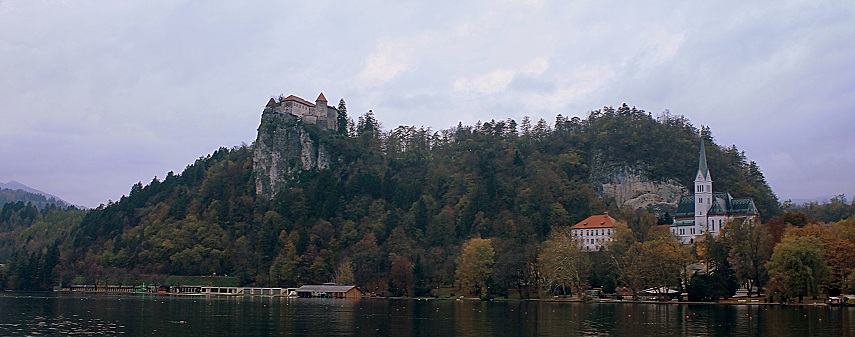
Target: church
<point>706,211</point>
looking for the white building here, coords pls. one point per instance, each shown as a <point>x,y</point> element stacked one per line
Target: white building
<point>706,211</point>
<point>594,232</point>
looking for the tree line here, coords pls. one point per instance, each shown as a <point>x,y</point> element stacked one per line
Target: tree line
<point>394,209</point>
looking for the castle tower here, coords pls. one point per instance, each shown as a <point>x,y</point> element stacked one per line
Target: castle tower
<point>703,191</point>
<point>321,110</point>
<point>321,100</point>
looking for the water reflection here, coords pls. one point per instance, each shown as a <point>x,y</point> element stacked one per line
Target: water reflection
<point>76,314</point>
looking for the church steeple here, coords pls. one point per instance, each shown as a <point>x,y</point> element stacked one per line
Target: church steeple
<point>703,190</point>
<point>703,171</point>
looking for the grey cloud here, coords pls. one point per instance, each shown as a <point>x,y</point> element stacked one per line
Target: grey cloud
<point>98,96</point>
<point>530,83</point>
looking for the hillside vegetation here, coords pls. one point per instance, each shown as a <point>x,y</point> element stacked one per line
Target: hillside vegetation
<point>8,195</point>
<point>391,214</point>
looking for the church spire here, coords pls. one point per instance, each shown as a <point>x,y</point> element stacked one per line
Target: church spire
<point>702,162</point>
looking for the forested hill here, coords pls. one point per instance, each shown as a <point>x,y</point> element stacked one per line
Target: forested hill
<point>10,195</point>
<point>394,207</point>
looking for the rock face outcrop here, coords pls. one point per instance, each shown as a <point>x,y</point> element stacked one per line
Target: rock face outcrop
<point>632,188</point>
<point>282,148</point>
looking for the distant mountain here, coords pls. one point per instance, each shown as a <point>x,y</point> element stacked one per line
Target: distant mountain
<point>14,191</point>
<point>818,200</point>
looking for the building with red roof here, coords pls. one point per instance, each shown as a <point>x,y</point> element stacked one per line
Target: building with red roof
<point>594,232</point>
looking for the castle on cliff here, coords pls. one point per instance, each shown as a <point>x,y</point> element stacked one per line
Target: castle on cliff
<point>318,113</point>
<point>707,211</point>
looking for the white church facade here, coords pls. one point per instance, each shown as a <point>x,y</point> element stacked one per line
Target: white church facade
<point>707,211</point>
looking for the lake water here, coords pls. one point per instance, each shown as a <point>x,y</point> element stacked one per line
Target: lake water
<point>30,314</point>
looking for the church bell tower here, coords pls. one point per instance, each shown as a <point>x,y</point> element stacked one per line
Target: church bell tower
<point>703,191</point>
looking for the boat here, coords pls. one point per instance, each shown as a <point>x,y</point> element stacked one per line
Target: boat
<point>837,301</point>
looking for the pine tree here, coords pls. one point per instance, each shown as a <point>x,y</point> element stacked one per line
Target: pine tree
<point>342,120</point>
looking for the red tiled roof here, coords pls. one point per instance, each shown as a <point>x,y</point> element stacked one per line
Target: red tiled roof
<point>298,100</point>
<point>596,221</point>
<point>321,98</point>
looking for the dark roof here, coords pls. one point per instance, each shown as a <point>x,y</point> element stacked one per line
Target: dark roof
<point>719,206</point>
<point>686,207</point>
<point>324,288</point>
<point>743,206</point>
<point>723,204</point>
<point>271,102</point>
<point>702,162</point>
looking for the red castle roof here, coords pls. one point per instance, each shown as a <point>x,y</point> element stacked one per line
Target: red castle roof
<point>297,99</point>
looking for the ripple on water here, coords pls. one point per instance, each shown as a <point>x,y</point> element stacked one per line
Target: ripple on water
<point>62,326</point>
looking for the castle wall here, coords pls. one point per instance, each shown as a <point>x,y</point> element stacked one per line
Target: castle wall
<point>323,116</point>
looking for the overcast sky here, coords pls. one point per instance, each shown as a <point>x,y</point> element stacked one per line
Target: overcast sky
<point>96,96</point>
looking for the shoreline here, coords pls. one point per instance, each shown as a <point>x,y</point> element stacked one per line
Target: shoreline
<point>750,301</point>
<point>813,303</point>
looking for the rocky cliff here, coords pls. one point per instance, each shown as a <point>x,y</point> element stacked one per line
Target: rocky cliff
<point>632,188</point>
<point>284,146</point>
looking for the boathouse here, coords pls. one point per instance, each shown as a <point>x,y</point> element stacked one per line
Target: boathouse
<point>329,290</point>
